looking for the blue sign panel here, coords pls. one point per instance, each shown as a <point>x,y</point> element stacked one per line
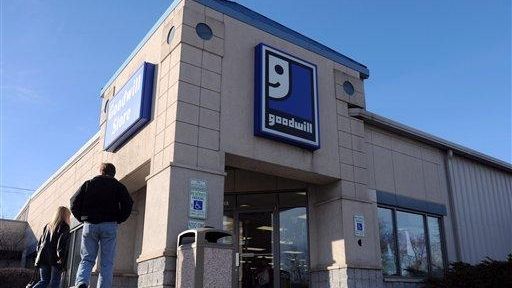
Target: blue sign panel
<point>198,204</point>
<point>286,100</point>
<point>130,108</point>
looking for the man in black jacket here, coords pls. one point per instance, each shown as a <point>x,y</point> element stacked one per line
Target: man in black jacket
<point>101,203</point>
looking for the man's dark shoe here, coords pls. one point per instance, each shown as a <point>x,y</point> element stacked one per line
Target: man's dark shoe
<point>81,286</point>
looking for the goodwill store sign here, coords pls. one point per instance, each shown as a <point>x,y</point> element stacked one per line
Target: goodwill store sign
<point>286,100</point>
<point>130,109</point>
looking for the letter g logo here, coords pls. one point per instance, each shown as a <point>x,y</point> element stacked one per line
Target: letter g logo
<point>278,82</point>
<point>286,100</point>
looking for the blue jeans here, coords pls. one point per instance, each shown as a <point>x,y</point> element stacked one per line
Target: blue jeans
<point>100,236</point>
<point>49,275</point>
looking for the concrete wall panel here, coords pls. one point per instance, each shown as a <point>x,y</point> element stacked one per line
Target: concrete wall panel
<point>237,103</point>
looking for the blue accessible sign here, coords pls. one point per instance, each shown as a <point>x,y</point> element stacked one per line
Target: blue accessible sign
<point>130,109</point>
<point>359,229</point>
<point>286,100</point>
<point>198,199</point>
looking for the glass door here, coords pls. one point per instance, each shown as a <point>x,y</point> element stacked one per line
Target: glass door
<point>293,248</point>
<point>256,258</point>
<point>271,234</point>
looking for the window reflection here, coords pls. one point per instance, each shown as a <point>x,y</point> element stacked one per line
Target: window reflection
<point>412,244</point>
<point>417,258</point>
<point>228,224</point>
<point>293,247</point>
<point>73,257</point>
<point>387,241</point>
<point>436,252</point>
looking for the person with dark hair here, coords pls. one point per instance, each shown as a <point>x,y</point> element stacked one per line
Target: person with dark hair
<point>108,169</point>
<point>101,203</point>
<point>52,249</point>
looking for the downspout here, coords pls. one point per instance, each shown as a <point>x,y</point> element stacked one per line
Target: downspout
<point>450,180</point>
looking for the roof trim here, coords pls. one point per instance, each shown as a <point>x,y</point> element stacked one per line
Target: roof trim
<point>248,16</point>
<point>13,220</point>
<point>396,127</point>
<point>62,168</point>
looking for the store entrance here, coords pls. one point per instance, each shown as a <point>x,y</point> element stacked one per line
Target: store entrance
<point>270,230</point>
<point>255,255</point>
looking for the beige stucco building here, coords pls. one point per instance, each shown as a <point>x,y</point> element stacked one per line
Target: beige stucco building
<point>375,204</point>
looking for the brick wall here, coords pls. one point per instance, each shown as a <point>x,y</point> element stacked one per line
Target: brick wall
<point>157,272</point>
<point>355,278</point>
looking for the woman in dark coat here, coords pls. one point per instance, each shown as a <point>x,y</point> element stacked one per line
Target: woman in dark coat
<point>52,249</point>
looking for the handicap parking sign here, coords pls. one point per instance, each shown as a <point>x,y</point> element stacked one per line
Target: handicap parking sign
<point>198,199</point>
<point>359,229</point>
<point>198,205</point>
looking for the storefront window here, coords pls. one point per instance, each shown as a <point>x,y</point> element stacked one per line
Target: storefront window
<point>387,241</point>
<point>73,256</point>
<point>293,247</point>
<point>410,241</point>
<point>412,244</point>
<point>436,251</point>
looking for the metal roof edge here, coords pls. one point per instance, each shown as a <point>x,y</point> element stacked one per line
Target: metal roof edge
<point>71,159</point>
<point>248,16</point>
<point>393,126</point>
<point>257,20</point>
<point>13,220</point>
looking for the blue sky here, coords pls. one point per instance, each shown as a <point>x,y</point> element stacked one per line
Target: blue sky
<point>443,67</point>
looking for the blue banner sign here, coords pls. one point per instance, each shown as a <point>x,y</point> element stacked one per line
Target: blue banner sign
<point>130,109</point>
<point>286,100</point>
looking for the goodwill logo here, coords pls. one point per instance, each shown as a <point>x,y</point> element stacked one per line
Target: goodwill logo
<point>286,100</point>
<point>130,108</point>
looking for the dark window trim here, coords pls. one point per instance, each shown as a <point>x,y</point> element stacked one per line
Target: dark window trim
<point>398,276</point>
<point>395,237</point>
<point>443,244</point>
<point>427,239</point>
<point>400,201</point>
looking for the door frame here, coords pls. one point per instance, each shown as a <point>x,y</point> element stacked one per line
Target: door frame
<point>276,253</point>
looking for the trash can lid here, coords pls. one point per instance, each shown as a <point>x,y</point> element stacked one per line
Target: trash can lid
<point>201,236</point>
